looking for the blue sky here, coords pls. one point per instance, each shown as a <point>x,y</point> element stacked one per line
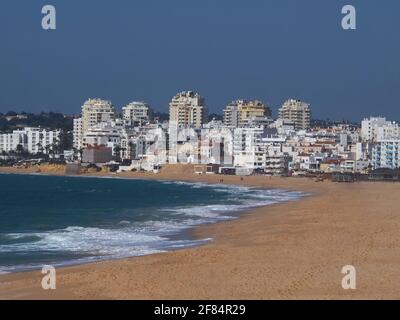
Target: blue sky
<point>126,50</point>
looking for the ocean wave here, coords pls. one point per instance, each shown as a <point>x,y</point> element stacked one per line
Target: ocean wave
<point>136,238</point>
<point>96,244</point>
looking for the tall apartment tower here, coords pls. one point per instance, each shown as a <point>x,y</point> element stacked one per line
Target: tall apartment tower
<point>240,112</point>
<point>231,115</point>
<point>94,111</point>
<point>77,133</point>
<point>297,112</point>
<point>136,112</point>
<point>187,109</point>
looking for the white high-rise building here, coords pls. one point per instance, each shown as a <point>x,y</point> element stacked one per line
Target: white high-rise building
<point>297,112</point>
<point>94,111</point>
<point>77,142</point>
<point>136,112</point>
<point>240,113</point>
<point>187,109</point>
<point>231,115</point>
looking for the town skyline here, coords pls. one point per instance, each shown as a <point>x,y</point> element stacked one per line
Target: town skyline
<point>211,111</point>
<point>247,138</point>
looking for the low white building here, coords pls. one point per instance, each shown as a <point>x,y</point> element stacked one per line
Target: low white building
<point>41,140</point>
<point>260,149</point>
<point>9,141</point>
<point>308,162</point>
<point>378,128</point>
<point>32,140</point>
<point>106,134</point>
<point>216,146</point>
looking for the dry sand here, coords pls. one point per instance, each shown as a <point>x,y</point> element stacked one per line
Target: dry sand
<point>294,250</point>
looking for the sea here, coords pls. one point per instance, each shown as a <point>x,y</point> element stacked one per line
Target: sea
<point>62,221</point>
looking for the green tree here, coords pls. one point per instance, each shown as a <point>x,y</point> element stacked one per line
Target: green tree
<point>20,149</point>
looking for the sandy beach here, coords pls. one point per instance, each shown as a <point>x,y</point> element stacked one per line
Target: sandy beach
<point>294,250</point>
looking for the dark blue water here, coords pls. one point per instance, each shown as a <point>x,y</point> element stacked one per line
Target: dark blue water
<point>68,220</point>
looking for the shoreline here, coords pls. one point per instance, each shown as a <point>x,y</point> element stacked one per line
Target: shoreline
<point>187,233</point>
<point>184,174</point>
<point>292,250</point>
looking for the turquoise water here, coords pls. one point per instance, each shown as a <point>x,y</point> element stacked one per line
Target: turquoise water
<point>68,220</point>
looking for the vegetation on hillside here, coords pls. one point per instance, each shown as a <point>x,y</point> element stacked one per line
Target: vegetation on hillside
<point>50,120</point>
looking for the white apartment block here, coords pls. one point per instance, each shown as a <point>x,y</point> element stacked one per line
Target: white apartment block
<point>255,149</point>
<point>391,130</point>
<point>386,154</point>
<point>244,147</point>
<point>297,112</point>
<point>384,136</point>
<point>369,128</point>
<point>362,150</point>
<point>182,142</point>
<point>284,127</point>
<point>216,146</point>
<point>136,112</point>
<point>106,134</point>
<point>95,111</point>
<point>149,146</point>
<point>378,129</point>
<point>78,134</point>
<point>187,109</point>
<point>241,113</point>
<point>9,141</point>
<point>32,140</point>
<point>41,140</point>
<point>231,115</point>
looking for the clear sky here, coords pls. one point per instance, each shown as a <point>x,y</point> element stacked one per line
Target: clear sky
<point>126,50</point>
